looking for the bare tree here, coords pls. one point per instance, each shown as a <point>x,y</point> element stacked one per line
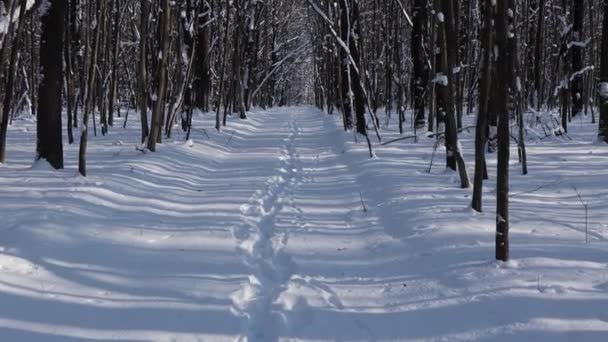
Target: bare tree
<point>484,99</point>
<point>50,140</point>
<point>603,86</point>
<point>505,74</point>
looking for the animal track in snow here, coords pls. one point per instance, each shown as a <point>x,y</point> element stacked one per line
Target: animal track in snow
<point>262,249</point>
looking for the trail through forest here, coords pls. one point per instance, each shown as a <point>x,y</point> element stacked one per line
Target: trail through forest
<point>281,228</point>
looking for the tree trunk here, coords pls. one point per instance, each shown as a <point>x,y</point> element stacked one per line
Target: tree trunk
<point>12,70</point>
<point>159,105</point>
<point>50,143</point>
<point>89,92</point>
<point>454,158</point>
<point>603,91</point>
<point>420,71</point>
<point>539,57</point>
<point>578,56</point>
<point>115,75</point>
<point>504,70</point>
<point>202,80</point>
<point>484,97</point>
<point>142,74</point>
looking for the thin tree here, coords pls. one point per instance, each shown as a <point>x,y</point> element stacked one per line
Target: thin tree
<point>89,103</point>
<point>142,79</point>
<point>484,97</point>
<point>163,55</point>
<point>603,86</point>
<point>420,69</point>
<point>578,56</point>
<point>10,79</point>
<point>446,105</point>
<point>501,102</point>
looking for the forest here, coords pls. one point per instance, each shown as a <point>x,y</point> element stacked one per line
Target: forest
<point>273,170</point>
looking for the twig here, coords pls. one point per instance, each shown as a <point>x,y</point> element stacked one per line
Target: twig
<point>398,139</point>
<point>362,202</point>
<point>116,154</point>
<point>205,132</point>
<point>433,155</point>
<point>229,140</point>
<point>586,206</point>
<point>555,182</point>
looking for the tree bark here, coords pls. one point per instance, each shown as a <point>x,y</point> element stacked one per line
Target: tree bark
<point>12,70</point>
<point>50,143</point>
<point>159,105</point>
<point>603,86</point>
<point>504,70</point>
<point>143,70</point>
<point>578,56</point>
<point>202,80</point>
<point>420,70</point>
<point>446,105</point>
<point>484,97</point>
<point>89,103</point>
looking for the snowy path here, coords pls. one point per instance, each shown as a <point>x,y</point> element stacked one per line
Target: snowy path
<point>262,246</point>
<point>281,228</point>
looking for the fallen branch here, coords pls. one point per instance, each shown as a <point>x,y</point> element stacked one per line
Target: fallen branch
<point>555,182</point>
<point>586,206</point>
<point>362,202</point>
<point>229,140</point>
<point>399,139</point>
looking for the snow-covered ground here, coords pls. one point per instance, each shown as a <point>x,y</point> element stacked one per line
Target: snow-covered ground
<point>282,228</point>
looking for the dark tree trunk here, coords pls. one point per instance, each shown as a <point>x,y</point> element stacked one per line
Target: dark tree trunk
<point>539,56</point>
<point>357,73</point>
<point>484,96</point>
<point>515,85</point>
<point>223,76</point>
<point>142,72</point>
<point>446,27</point>
<point>89,103</point>
<point>603,86</point>
<point>69,72</point>
<point>76,59</point>
<point>578,57</point>
<point>12,70</point>
<point>345,70</point>
<point>353,94</point>
<point>248,53</point>
<point>159,105</point>
<point>190,50</point>
<point>50,143</point>
<point>504,71</point>
<point>202,81</point>
<point>420,70</point>
<point>115,75</point>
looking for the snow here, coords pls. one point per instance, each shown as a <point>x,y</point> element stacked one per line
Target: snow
<point>566,29</point>
<point>44,8</point>
<point>579,44</point>
<point>440,17</point>
<point>603,89</point>
<point>258,233</point>
<point>4,15</point>
<point>581,72</point>
<point>441,78</point>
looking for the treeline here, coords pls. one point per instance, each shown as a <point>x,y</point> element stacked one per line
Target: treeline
<point>398,45</point>
<point>101,61</point>
<point>521,65</point>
